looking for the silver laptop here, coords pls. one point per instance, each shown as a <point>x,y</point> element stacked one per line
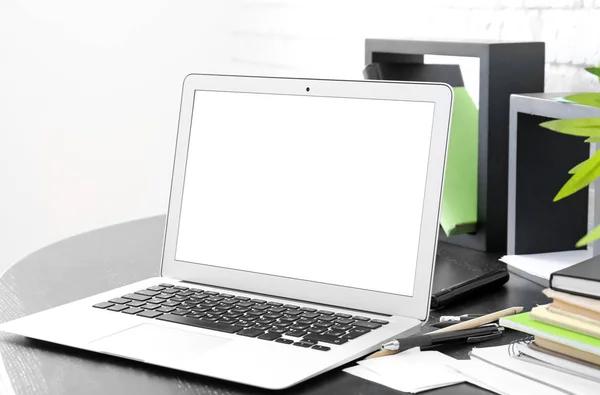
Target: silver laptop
<point>301,232</point>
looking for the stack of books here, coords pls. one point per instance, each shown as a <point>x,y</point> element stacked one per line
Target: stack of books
<point>566,332</point>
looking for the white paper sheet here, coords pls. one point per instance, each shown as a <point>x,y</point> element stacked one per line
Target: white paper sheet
<point>410,371</point>
<point>543,265</point>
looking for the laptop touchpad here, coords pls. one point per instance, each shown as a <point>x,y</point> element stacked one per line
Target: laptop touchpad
<point>153,343</point>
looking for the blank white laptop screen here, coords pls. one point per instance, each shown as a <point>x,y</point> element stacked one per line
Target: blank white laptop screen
<point>313,188</point>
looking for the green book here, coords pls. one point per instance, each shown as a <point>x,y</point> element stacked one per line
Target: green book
<point>524,323</point>
<point>459,201</point>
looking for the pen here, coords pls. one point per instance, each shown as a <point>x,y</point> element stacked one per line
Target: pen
<point>450,323</point>
<point>431,339</point>
<point>458,318</point>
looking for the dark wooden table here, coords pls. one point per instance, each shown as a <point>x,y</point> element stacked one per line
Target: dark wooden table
<point>114,256</point>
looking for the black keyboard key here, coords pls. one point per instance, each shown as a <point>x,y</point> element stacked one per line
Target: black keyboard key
<point>269,336</point>
<point>322,324</point>
<point>321,348</point>
<point>200,309</point>
<point>135,303</point>
<point>170,291</point>
<point>155,288</point>
<point>282,324</point>
<point>165,309</point>
<point>263,327</point>
<point>343,315</point>
<point>140,298</point>
<point>214,299</point>
<point>186,293</point>
<point>147,292</point>
<point>302,344</point>
<point>181,312</point>
<point>344,321</point>
<point>309,341</point>
<point>308,309</point>
<point>227,296</point>
<point>271,316</point>
<point>353,334</point>
<point>149,314</point>
<point>275,329</point>
<point>382,322</point>
<point>119,301</point>
<point>276,304</point>
<point>211,292</point>
<point>241,310</point>
<point>277,309</point>
<point>315,330</point>
<point>179,298</point>
<point>287,319</point>
<point>327,318</point>
<point>361,318</point>
<point>232,315</point>
<point>171,303</point>
<point>155,301</point>
<point>199,297</point>
<point>284,341</point>
<point>242,298</point>
<point>255,314</point>
<point>163,296</point>
<point>260,307</point>
<point>229,302</point>
<point>291,306</point>
<point>335,332</point>
<point>264,321</point>
<point>298,327</point>
<point>341,327</point>
<point>133,310</point>
<point>212,314</point>
<point>326,338</point>
<point>103,305</point>
<point>227,319</point>
<point>118,307</point>
<point>201,323</point>
<point>325,312</point>
<point>197,315</point>
<point>258,301</point>
<point>250,332</point>
<point>220,308</point>
<point>245,304</point>
<point>293,313</point>
<point>366,325</point>
<point>310,315</point>
<point>181,288</point>
<point>147,306</point>
<point>165,285</point>
<point>196,290</point>
<point>295,333</point>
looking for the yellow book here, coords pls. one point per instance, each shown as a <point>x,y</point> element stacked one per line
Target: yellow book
<point>542,314</point>
<point>566,350</point>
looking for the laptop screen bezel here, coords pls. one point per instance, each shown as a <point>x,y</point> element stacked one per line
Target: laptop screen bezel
<point>415,306</point>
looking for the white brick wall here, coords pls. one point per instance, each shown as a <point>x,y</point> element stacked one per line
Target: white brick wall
<point>325,38</point>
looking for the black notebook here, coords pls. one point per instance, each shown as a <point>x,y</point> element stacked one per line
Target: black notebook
<point>581,279</point>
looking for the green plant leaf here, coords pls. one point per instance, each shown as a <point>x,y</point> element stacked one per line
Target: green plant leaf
<point>587,99</point>
<point>584,175</point>
<point>593,140</point>
<point>587,239</point>
<point>594,70</point>
<point>574,170</point>
<point>586,127</point>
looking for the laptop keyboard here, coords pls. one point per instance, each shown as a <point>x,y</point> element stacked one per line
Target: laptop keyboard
<point>257,318</point>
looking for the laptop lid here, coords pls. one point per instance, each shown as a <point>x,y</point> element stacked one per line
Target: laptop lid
<point>318,190</point>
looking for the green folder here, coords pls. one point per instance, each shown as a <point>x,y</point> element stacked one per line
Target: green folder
<point>524,323</point>
<point>459,201</point>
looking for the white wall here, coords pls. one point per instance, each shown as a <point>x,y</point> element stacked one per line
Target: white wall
<point>89,92</point>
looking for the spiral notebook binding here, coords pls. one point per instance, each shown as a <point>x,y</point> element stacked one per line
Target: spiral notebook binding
<point>512,346</point>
